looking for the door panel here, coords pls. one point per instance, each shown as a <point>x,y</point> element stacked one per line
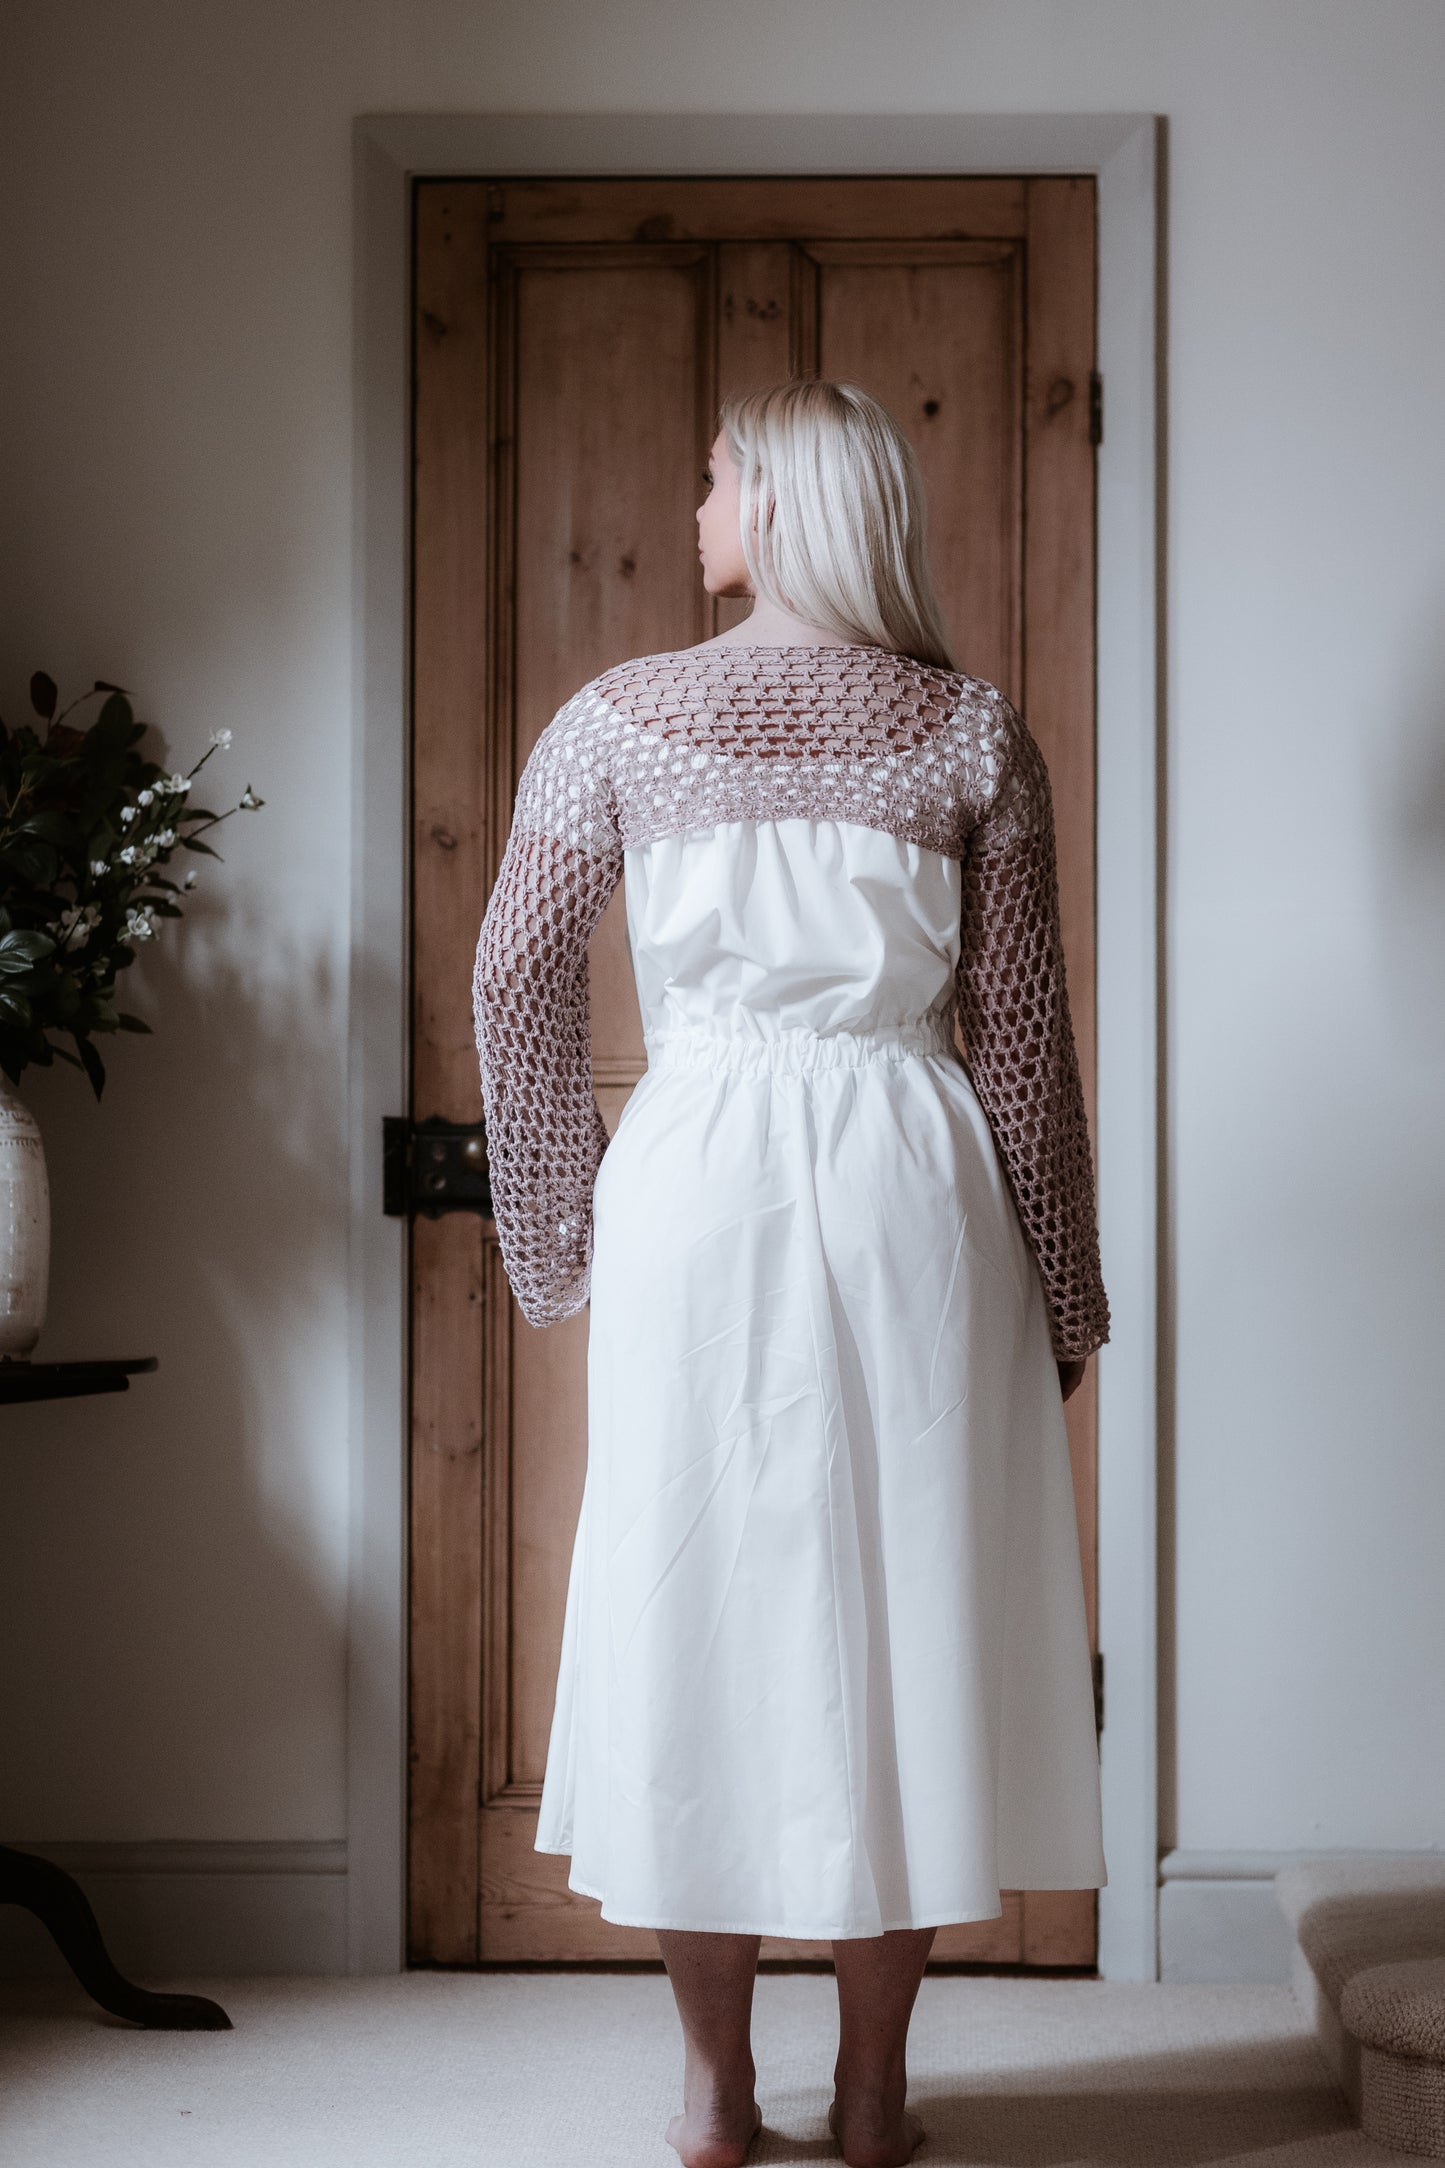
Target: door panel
<point>935,332</point>
<point>610,354</point>
<point>572,342</point>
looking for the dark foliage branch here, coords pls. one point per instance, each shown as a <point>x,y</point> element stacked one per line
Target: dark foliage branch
<point>87,828</point>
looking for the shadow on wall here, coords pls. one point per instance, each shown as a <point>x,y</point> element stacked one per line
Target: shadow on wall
<point>1408,872</point>
<point>172,1561</point>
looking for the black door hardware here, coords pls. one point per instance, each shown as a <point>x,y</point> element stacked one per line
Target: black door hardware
<point>433,1167</point>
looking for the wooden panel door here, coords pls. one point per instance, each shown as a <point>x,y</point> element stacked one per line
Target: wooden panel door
<point>572,341</point>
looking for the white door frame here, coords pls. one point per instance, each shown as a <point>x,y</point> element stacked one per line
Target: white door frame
<point>1122,151</point>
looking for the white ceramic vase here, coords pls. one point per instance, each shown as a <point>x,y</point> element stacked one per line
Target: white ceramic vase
<point>24,1225</point>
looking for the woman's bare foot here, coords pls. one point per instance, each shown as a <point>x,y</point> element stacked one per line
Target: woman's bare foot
<point>871,2133</point>
<point>712,1979</point>
<point>716,2127</point>
<point>878,1981</point>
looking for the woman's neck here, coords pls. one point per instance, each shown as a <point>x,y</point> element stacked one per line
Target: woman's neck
<point>769,625</point>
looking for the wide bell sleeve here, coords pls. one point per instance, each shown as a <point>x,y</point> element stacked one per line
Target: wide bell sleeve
<point>545,1134</point>
<point>1013,1007</point>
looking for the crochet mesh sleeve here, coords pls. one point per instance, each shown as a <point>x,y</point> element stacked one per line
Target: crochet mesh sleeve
<point>545,1134</point>
<point>688,739</point>
<point>1013,1006</point>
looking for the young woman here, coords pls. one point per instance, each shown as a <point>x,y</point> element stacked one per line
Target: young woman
<point>825,1671</point>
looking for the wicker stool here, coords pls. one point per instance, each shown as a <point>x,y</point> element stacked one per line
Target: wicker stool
<point>1397,2013</point>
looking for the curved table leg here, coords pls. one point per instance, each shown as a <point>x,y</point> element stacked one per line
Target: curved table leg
<point>58,1901</point>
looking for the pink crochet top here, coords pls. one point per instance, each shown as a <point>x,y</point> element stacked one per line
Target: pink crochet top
<point>681,741</point>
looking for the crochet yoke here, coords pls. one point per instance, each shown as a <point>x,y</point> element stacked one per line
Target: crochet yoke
<point>682,741</point>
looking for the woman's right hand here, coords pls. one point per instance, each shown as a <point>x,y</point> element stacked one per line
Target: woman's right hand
<point>1071,1375</point>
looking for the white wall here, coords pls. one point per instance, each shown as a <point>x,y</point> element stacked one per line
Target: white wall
<point>177,489</point>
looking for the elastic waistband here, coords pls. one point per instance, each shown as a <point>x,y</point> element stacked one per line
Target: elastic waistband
<point>794,1050</point>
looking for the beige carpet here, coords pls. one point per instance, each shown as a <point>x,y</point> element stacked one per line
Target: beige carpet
<point>445,2070</point>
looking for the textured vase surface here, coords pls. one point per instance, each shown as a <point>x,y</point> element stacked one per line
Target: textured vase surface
<point>24,1225</point>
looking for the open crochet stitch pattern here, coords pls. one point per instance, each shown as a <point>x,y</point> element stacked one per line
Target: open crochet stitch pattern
<point>679,742</point>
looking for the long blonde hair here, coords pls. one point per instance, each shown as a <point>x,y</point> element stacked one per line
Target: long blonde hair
<point>833,514</point>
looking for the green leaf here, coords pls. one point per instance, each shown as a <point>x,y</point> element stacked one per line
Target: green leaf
<point>93,1065</point>
<point>44,694</point>
<point>125,1022</point>
<point>53,825</point>
<point>23,947</point>
<point>113,726</point>
<point>35,863</point>
<point>192,843</point>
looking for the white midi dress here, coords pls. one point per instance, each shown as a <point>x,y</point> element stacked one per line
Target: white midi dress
<point>825,1667</point>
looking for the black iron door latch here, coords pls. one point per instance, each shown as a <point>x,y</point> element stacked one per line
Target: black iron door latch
<point>433,1167</point>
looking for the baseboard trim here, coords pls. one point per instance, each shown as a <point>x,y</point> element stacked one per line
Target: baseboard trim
<point>193,1910</point>
<point>1219,1919</point>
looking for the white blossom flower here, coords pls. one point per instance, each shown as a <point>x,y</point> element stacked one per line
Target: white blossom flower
<point>191,879</point>
<point>249,800</point>
<point>178,785</point>
<point>163,838</point>
<point>76,924</point>
<point>127,814</point>
<point>98,866</point>
<point>222,738</point>
<point>130,856</point>
<point>139,926</point>
<point>144,797</point>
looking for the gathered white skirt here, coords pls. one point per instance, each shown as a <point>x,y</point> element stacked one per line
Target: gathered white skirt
<point>825,1667</point>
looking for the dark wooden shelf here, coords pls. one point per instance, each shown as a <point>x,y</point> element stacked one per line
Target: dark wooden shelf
<point>36,1884</point>
<point>21,1380</point>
